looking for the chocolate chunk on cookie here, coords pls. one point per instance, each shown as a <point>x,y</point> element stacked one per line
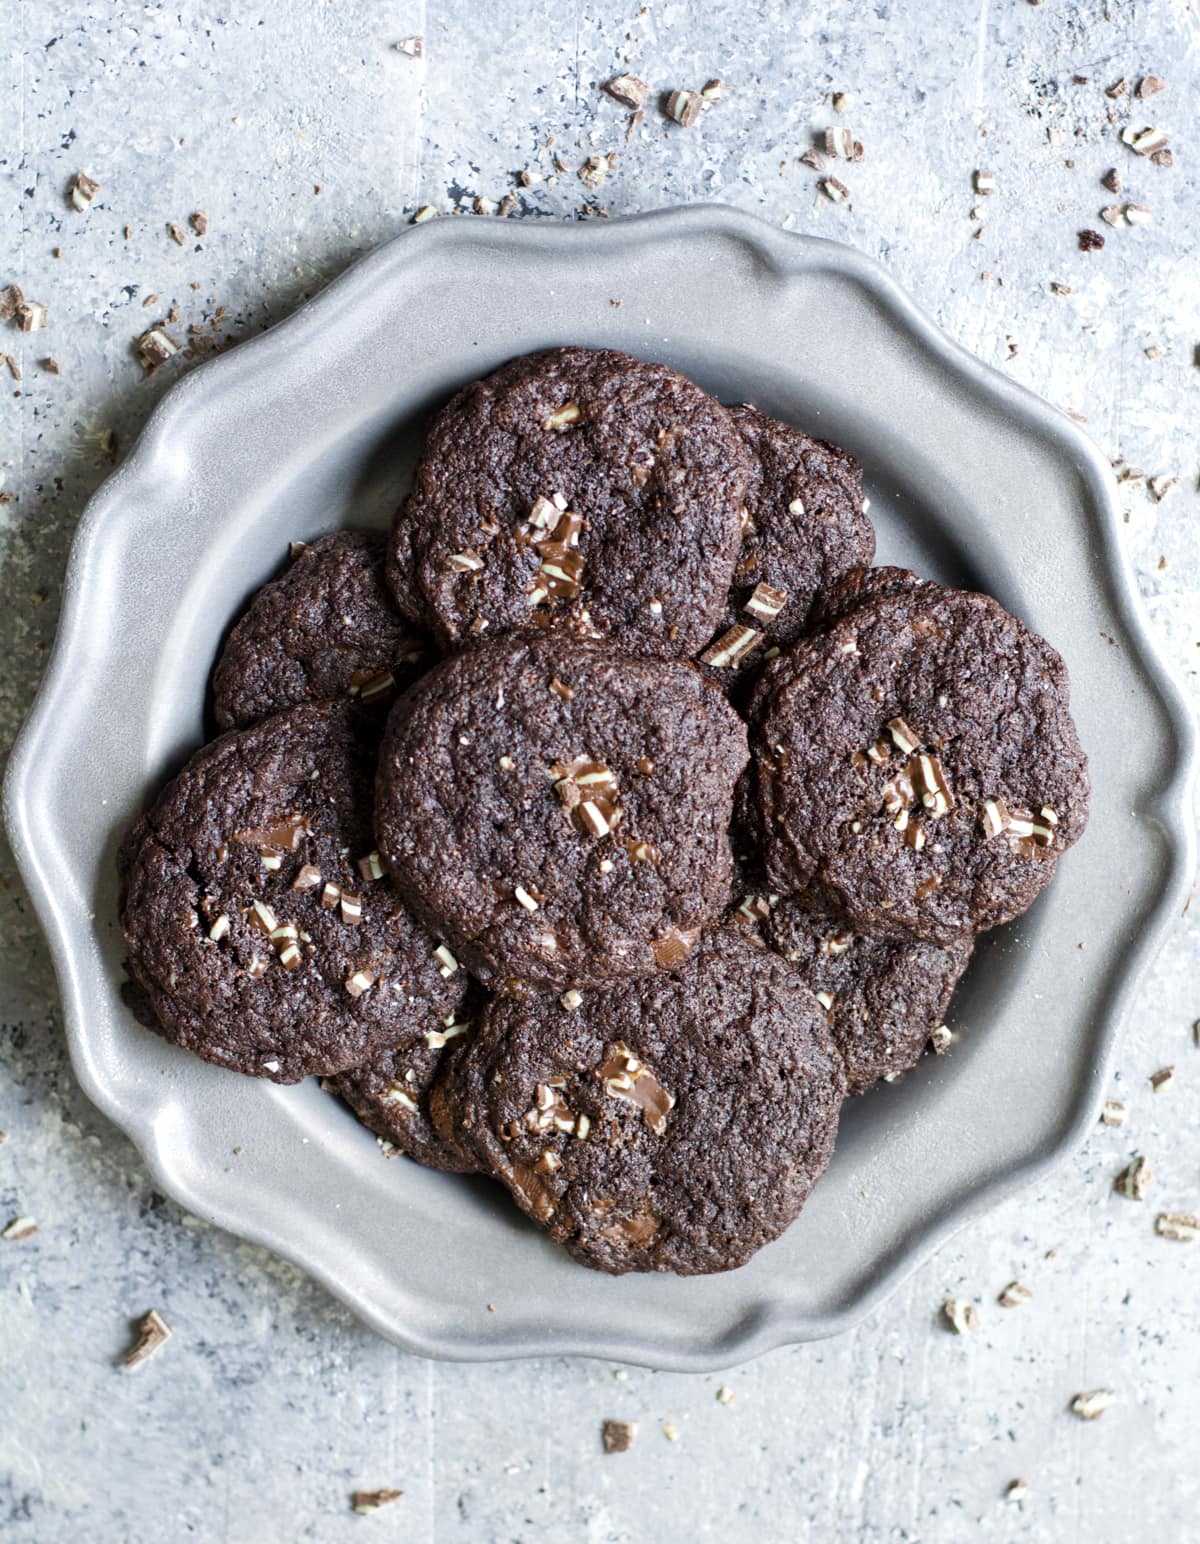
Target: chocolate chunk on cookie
<point>916,767</point>
<point>804,528</point>
<point>326,628</point>
<point>560,813</point>
<point>390,1095</point>
<point>884,996</point>
<point>672,1124</point>
<point>576,490</point>
<point>258,919</point>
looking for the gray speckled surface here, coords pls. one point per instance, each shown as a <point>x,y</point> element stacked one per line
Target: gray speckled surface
<point>270,1404</point>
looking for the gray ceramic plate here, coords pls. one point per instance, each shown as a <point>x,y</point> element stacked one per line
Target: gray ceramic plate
<point>971,480</point>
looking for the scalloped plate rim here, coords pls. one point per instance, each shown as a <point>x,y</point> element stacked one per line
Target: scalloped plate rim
<point>771,1327</point>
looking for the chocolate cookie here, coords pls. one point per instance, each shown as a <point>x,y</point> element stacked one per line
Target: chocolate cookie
<point>672,1124</point>
<point>559,812</point>
<point>916,767</point>
<point>884,997</point>
<point>577,490</point>
<point>804,527</point>
<point>257,916</point>
<point>390,1095</point>
<point>326,628</point>
<point>861,585</point>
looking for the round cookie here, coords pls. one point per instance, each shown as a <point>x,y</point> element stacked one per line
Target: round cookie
<point>884,997</point>
<point>559,813</point>
<point>257,918</point>
<point>804,527</point>
<point>916,767</point>
<point>326,628</point>
<point>673,1124</point>
<point>390,1096</point>
<point>576,490</point>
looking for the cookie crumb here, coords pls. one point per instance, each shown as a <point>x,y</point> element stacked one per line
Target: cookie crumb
<point>32,316</point>
<point>628,90</point>
<point>177,234</point>
<point>670,1431</point>
<point>199,222</point>
<point>1091,1406</point>
<point>19,1229</point>
<point>1161,1080</point>
<point>425,212</point>
<point>725,1395</point>
<point>1090,241</point>
<point>365,1502</point>
<point>1014,1295</point>
<point>154,348</point>
<point>83,190</point>
<point>835,190</point>
<point>618,1436</point>
<point>1016,1490</point>
<point>1135,1179</point>
<point>1145,142</point>
<point>1183,1227</point>
<point>1114,1112</point>
<point>684,107</point>
<point>153,1332</point>
<point>841,144</point>
<point>594,171</point>
<point>961,1316</point>
<point>413,48</point>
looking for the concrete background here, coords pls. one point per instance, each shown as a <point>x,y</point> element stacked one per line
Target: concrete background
<point>270,1404</point>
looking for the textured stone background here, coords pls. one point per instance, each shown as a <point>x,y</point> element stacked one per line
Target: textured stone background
<point>270,1404</point>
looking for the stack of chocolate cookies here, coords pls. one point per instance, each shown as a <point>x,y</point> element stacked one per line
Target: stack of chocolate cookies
<point>611,821</point>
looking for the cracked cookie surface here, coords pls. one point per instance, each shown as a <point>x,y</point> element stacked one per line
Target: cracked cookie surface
<point>258,919</point>
<point>915,766</point>
<point>559,812</point>
<point>325,629</point>
<point>576,490</point>
<point>676,1123</point>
